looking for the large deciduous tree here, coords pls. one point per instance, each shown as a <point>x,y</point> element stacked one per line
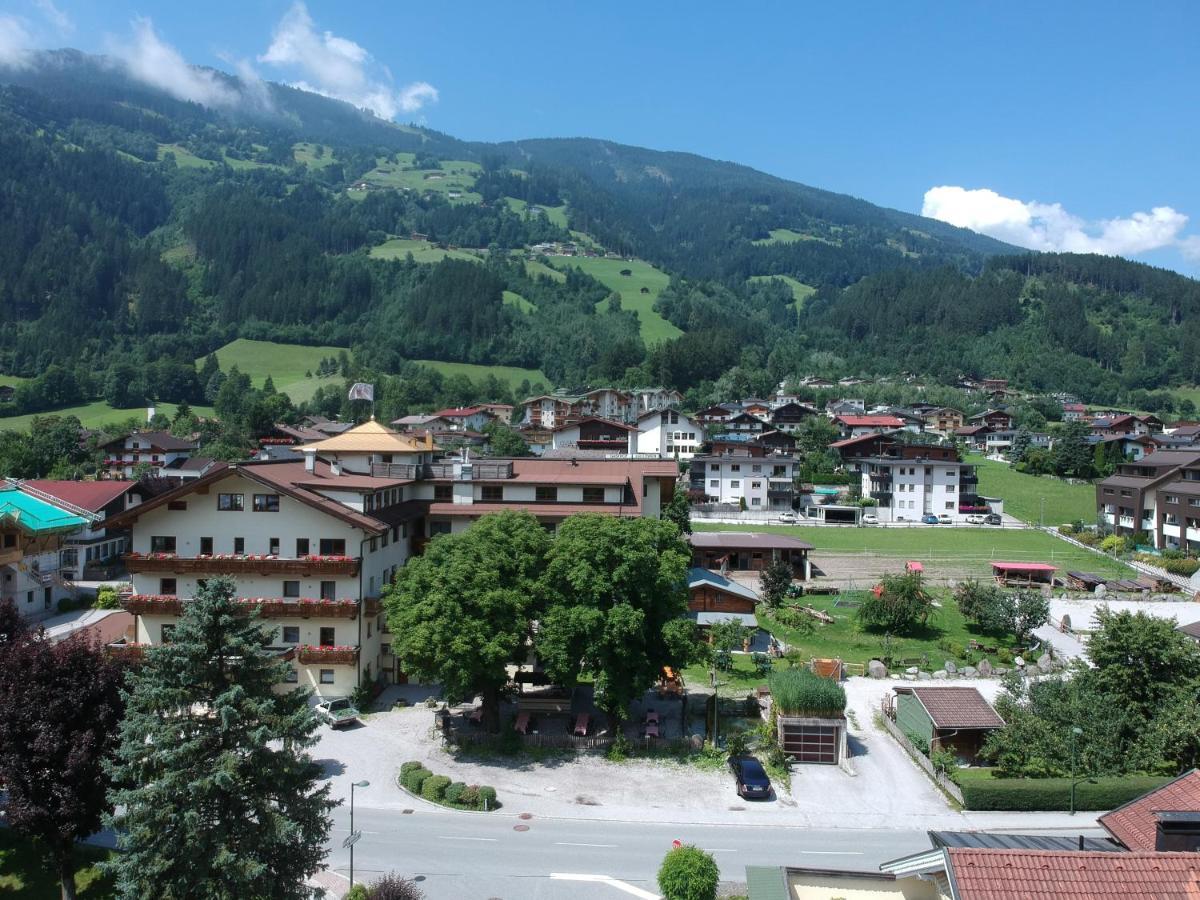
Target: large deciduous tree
<point>618,599</point>
<point>217,797</point>
<point>60,706</point>
<point>462,613</point>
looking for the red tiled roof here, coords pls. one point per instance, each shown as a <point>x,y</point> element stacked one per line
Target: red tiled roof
<point>871,421</point>
<point>1134,824</point>
<point>1024,567</point>
<point>460,413</point>
<point>1072,875</point>
<point>956,707</point>
<point>854,440</point>
<point>90,495</point>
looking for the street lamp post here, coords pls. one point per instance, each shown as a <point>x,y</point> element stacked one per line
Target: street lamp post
<point>1075,732</point>
<point>353,837</point>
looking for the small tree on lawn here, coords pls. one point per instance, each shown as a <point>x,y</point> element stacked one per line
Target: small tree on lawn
<point>897,604</point>
<point>723,636</point>
<point>217,798</point>
<point>679,511</point>
<point>1030,610</point>
<point>60,706</point>
<point>688,873</point>
<point>774,582</point>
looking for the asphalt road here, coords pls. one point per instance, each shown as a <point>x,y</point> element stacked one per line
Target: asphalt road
<point>485,856</point>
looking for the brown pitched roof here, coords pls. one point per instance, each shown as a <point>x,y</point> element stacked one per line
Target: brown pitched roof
<point>956,707</point>
<point>90,495</point>
<point>1191,630</point>
<point>757,540</point>
<point>1072,875</point>
<point>1134,824</point>
<point>158,440</point>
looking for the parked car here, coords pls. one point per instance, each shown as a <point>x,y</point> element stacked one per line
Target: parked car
<point>870,519</point>
<point>976,519</point>
<point>993,519</point>
<point>930,519</point>
<point>338,713</point>
<point>752,780</point>
<point>787,517</point>
<point>944,519</point>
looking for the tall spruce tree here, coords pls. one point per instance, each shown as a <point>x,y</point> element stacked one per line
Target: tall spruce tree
<point>218,798</point>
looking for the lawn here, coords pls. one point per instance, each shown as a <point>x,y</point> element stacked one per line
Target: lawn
<point>1023,494</point>
<point>422,251</point>
<point>25,876</point>
<point>97,414</point>
<point>642,275</point>
<point>800,290</point>
<point>454,175</point>
<point>305,152</point>
<point>556,215</point>
<point>285,363</point>
<point>971,548</point>
<point>787,236</point>
<point>513,375</point>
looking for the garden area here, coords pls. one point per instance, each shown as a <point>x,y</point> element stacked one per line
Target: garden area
<point>26,874</point>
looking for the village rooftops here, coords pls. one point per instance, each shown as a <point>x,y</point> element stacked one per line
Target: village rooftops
<point>955,707</point>
<point>584,471</point>
<point>619,426</point>
<point>90,495</point>
<point>155,440</point>
<point>1135,824</point>
<point>733,540</point>
<point>873,421</point>
<point>371,437</point>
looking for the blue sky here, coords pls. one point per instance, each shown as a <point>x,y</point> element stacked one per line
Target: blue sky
<point>1065,125</point>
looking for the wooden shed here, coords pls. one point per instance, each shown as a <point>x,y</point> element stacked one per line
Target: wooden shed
<point>1023,574</point>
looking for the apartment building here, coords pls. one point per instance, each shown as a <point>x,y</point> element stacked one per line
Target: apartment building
<point>765,483</point>
<point>909,481</point>
<point>594,433</point>
<point>1158,494</point>
<point>553,410</point>
<point>313,542</point>
<point>670,434</point>
<point>943,419</point>
<point>161,451</point>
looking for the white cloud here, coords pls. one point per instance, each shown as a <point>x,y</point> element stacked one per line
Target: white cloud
<point>152,60</point>
<point>1047,226</point>
<point>337,67</point>
<point>14,43</point>
<point>55,16</point>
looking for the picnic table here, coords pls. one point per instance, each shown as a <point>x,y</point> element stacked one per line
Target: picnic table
<point>581,725</point>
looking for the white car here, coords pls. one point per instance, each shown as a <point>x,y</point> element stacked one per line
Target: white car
<point>944,519</point>
<point>788,517</point>
<point>976,519</point>
<point>870,519</point>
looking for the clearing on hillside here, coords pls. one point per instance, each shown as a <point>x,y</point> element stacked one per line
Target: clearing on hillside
<point>455,179</point>
<point>800,290</point>
<point>642,275</point>
<point>285,363</point>
<point>422,251</point>
<point>305,152</point>
<point>511,375</point>
<point>514,299</point>
<point>97,415</point>
<point>1037,499</point>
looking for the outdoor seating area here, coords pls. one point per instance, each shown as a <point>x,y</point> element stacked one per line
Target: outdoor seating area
<point>1023,574</point>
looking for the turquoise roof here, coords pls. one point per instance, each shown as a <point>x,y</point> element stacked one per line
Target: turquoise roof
<point>35,516</point>
<point>698,576</point>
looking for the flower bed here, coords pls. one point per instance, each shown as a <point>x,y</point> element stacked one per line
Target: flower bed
<point>336,655</point>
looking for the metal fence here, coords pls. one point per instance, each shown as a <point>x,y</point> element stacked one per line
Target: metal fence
<point>939,778</point>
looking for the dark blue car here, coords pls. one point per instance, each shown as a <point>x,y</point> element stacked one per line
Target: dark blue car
<point>752,780</point>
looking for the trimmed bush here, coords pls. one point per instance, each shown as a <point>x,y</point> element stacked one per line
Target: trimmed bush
<point>410,766</point>
<point>800,692</point>
<point>416,779</point>
<point>434,788</point>
<point>1053,794</point>
<point>487,797</point>
<point>454,791</point>
<point>469,796</point>
<point>688,873</point>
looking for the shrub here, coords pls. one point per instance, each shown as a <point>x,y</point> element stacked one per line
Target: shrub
<point>735,743</point>
<point>454,792</point>
<point>393,887</point>
<point>469,796</point>
<point>620,749</point>
<point>107,597</point>
<point>416,779</point>
<point>688,873</point>
<point>1066,529</point>
<point>898,604</point>
<point>797,692</point>
<point>1181,566</point>
<point>410,766</point>
<point>1088,537</point>
<point>796,619</point>
<point>1114,544</point>
<point>487,797</point>
<point>434,788</point>
<point>358,892</point>
<point>1036,794</point>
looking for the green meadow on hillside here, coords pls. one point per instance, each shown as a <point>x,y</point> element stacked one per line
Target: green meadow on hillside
<point>513,299</point>
<point>285,363</point>
<point>305,152</point>
<point>800,290</point>
<point>422,251</point>
<point>642,275</point>
<point>512,375</point>
<point>96,415</point>
<point>1038,499</point>
<point>556,215</point>
<point>455,176</point>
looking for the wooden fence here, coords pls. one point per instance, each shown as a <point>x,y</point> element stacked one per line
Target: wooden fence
<point>939,778</point>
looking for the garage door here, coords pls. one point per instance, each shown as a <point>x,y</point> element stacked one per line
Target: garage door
<point>811,743</point>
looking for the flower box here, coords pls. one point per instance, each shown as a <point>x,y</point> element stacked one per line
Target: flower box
<point>336,656</point>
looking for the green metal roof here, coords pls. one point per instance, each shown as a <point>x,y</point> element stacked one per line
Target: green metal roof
<point>35,516</point>
<point>766,883</point>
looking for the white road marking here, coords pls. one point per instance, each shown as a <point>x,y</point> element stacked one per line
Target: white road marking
<point>574,844</point>
<point>610,881</point>
<point>719,850</point>
<point>453,837</point>
<point>832,852</point>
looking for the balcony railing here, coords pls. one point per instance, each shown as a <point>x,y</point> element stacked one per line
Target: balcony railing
<point>480,471</point>
<point>884,497</point>
<point>268,607</point>
<point>402,471</point>
<point>242,565</point>
<point>333,656</point>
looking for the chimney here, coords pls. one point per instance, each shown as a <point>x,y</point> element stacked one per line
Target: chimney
<point>310,461</point>
<point>1177,831</point>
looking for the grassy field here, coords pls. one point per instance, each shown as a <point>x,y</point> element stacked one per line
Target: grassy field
<point>970,550</point>
<point>24,875</point>
<point>97,414</point>
<point>556,215</point>
<point>533,268</point>
<point>513,299</point>
<point>305,152</point>
<point>422,251</point>
<point>1023,494</point>
<point>513,375</point>
<point>185,159</point>
<point>285,363</point>
<point>800,290</point>
<point>455,175</point>
<point>643,275</point>
<point>1187,393</point>
<point>787,236</point>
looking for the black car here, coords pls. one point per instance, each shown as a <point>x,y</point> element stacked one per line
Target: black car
<point>752,780</point>
<point>992,519</point>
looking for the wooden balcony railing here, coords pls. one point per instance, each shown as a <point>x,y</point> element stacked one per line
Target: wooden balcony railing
<point>333,656</point>
<point>242,565</point>
<point>269,607</point>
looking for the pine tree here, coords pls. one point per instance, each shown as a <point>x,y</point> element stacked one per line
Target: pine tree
<point>218,798</point>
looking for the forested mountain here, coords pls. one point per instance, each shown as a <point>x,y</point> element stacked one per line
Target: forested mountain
<point>139,232</point>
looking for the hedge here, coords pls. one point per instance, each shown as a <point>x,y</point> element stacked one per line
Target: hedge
<point>434,788</point>
<point>1053,794</point>
<point>415,779</point>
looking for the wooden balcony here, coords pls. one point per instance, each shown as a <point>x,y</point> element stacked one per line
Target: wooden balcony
<point>242,565</point>
<point>331,656</point>
<point>268,607</point>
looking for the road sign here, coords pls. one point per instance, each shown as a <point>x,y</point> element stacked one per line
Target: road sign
<point>350,841</point>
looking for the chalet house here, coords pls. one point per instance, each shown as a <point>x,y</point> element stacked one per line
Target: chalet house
<point>1074,412</point>
<point>943,419</point>
<point>744,551</point>
<point>7,392</point>
<point>754,444</point>
<point>669,434</point>
<point>994,384</point>
<point>714,598</point>
<point>595,434</point>
<point>470,418</point>
<point>551,410</point>
<point>790,416</point>
<point>160,451</point>
<point>1127,425</point>
<point>1002,441</point>
<point>974,436</point>
<point>414,422</point>
<point>745,423</point>
<point>761,483</point>
<point>817,383</point>
<point>1158,494</point>
<point>1131,446</point>
<point>759,408</point>
<point>501,411</point>
<point>837,408</point>
<point>857,425</point>
<point>313,543</point>
<point>721,412</point>
<point>997,419</point>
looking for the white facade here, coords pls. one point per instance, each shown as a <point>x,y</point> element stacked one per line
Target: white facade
<point>137,450</point>
<point>917,487</point>
<point>669,434</point>
<point>763,482</point>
